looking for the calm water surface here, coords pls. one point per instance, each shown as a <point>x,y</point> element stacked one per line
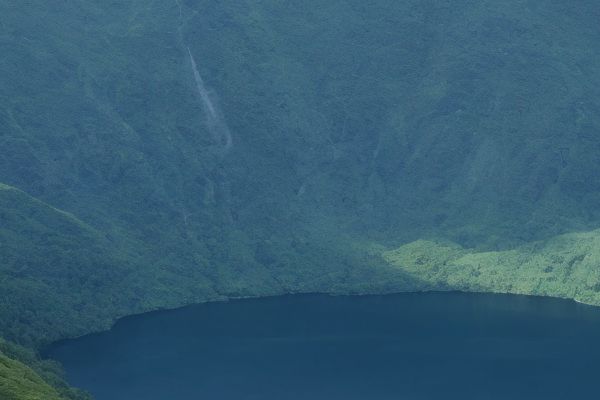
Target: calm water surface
<point>312,347</point>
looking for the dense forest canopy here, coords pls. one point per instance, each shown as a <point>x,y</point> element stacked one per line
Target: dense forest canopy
<point>159,153</point>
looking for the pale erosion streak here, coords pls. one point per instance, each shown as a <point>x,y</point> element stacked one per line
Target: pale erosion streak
<point>214,118</point>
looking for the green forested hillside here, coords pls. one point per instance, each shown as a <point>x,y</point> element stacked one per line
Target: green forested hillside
<point>60,277</point>
<point>46,254</point>
<point>18,382</point>
<point>24,377</point>
<point>355,128</point>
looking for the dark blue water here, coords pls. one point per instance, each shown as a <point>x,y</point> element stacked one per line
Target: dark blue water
<point>311,347</point>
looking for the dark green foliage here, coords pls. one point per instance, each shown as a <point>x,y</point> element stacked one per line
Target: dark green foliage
<point>355,126</point>
<point>61,277</point>
<point>50,263</point>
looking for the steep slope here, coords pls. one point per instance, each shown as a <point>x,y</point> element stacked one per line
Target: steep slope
<point>57,274</point>
<point>18,382</point>
<point>59,277</point>
<point>466,120</point>
<point>210,149</point>
<point>24,376</point>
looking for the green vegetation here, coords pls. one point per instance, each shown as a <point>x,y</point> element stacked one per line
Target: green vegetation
<point>18,382</point>
<point>23,376</point>
<point>60,277</point>
<point>353,124</point>
<point>566,266</point>
<point>46,253</point>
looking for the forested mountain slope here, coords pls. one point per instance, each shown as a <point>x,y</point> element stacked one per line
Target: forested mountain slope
<point>160,153</point>
<point>24,377</point>
<point>17,382</point>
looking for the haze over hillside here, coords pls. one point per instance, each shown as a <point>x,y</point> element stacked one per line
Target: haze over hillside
<point>160,153</point>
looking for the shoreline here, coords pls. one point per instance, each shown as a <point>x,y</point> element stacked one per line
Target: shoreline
<point>46,348</point>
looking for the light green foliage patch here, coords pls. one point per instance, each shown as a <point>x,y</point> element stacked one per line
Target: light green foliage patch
<point>19,382</point>
<point>26,374</point>
<point>565,266</point>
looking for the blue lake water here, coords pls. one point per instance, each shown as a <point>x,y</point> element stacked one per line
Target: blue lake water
<point>405,346</point>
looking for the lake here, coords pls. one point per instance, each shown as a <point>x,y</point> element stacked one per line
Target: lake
<point>312,347</point>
